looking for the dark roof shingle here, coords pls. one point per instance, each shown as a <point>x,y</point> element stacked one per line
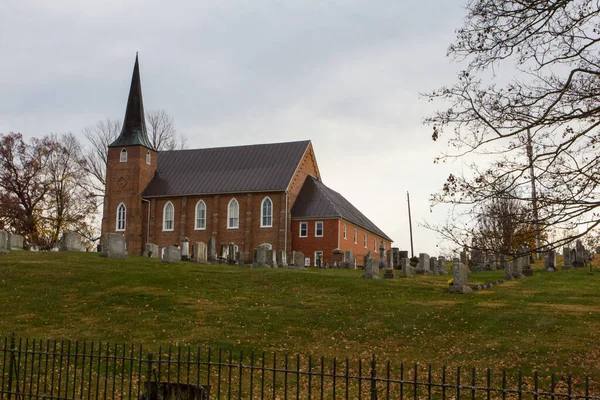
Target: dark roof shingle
<point>254,168</point>
<point>317,200</point>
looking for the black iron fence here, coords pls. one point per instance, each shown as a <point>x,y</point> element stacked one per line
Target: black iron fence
<point>44,369</point>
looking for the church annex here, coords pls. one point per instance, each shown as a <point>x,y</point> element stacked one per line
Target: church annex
<point>246,195</point>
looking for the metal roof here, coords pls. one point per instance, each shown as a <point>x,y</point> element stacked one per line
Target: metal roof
<point>134,132</point>
<point>239,169</point>
<point>317,200</point>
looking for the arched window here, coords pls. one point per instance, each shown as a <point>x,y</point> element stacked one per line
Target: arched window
<point>345,231</point>
<point>148,157</point>
<point>121,213</point>
<point>266,213</point>
<point>200,215</point>
<point>168,216</point>
<point>123,156</point>
<point>233,214</point>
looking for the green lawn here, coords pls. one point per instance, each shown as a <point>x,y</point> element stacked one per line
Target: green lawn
<point>548,322</point>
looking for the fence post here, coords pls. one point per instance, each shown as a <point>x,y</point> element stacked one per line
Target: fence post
<point>373,379</point>
<point>149,370</point>
<point>11,365</point>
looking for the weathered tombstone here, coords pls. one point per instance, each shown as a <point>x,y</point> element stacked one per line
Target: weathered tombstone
<point>232,250</point>
<point>567,258</point>
<point>506,265</point>
<point>34,247</point>
<point>517,271</point>
<point>382,263</point>
<point>477,260</point>
<point>550,262</point>
<point>526,261</point>
<point>281,259</point>
<point>260,256</point>
<point>171,255</point>
<point>113,246</point>
<point>15,242</point>
<point>433,265</point>
<point>403,254</point>
<point>212,249</point>
<point>199,252</point>
<point>405,267</point>
<point>441,266</point>
<point>389,270</point>
<point>349,260</point>
<point>272,258</point>
<point>371,267</point>
<point>151,250</point>
<point>223,253</point>
<point>460,277</point>
<point>297,260</point>
<point>54,247</point>
<point>423,266</point>
<point>71,241</point>
<point>579,261</point>
<point>338,258</point>
<point>395,257</point>
<point>4,249</point>
<point>185,250</point>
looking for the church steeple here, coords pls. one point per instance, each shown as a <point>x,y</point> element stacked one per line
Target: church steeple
<point>134,126</point>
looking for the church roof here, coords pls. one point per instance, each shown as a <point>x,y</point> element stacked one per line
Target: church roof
<point>239,169</point>
<point>316,200</point>
<point>134,132</point>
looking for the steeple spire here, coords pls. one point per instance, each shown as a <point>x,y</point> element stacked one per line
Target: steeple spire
<point>134,126</point>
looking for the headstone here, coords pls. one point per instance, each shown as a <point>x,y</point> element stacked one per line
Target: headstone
<point>199,252</point>
<point>185,250</point>
<point>349,260</point>
<point>441,266</point>
<point>507,269</point>
<point>389,270</point>
<point>395,257</point>
<point>517,271</point>
<point>405,267</point>
<point>54,247</point>
<point>212,249</point>
<point>579,261</point>
<point>232,254</point>
<point>297,260</point>
<point>171,255</point>
<point>403,254</point>
<point>550,262</point>
<point>460,277</point>
<point>71,241</point>
<point>281,259</point>
<point>371,267</point>
<point>15,242</point>
<point>382,263</point>
<point>338,258</point>
<point>271,258</point>
<point>151,250</point>
<point>4,249</point>
<point>34,247</point>
<point>223,253</point>
<point>261,256</point>
<point>567,258</point>
<point>477,260</point>
<point>113,246</point>
<point>423,266</point>
<point>433,265</point>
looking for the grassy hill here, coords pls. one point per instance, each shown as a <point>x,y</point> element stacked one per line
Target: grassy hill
<point>549,322</point>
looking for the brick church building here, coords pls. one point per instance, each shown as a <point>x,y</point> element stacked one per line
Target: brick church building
<point>246,195</point>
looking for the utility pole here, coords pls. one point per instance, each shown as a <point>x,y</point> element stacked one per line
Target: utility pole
<point>412,250</point>
<point>533,195</point>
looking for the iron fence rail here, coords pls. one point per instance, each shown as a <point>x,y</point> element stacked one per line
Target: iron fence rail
<point>61,370</point>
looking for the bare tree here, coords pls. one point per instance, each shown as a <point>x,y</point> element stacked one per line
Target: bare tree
<point>99,136</point>
<point>551,52</point>
<point>162,132</point>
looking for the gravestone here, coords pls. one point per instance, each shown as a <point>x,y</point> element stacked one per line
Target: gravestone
<point>423,266</point>
<point>223,255</point>
<point>405,268</point>
<point>232,254</point>
<point>349,260</point>
<point>151,250</point>
<point>113,246</point>
<point>526,261</point>
<point>199,252</point>
<point>477,260</point>
<point>4,249</point>
<point>433,265</point>
<point>271,258</point>
<point>382,263</point>
<point>211,249</point>
<point>260,256</point>
<point>371,267</point>
<point>460,277</point>
<point>550,262</point>
<point>15,242</point>
<point>71,241</point>
<point>567,258</point>
<point>171,255</point>
<point>579,261</point>
<point>297,260</point>
<point>338,258</point>
<point>34,247</point>
<point>507,269</point>
<point>54,247</point>
<point>517,271</point>
<point>395,257</point>
<point>281,259</point>
<point>185,250</point>
<point>441,266</point>
<point>403,254</point>
<point>389,270</point>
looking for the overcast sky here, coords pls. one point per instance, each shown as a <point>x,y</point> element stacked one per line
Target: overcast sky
<point>345,74</point>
